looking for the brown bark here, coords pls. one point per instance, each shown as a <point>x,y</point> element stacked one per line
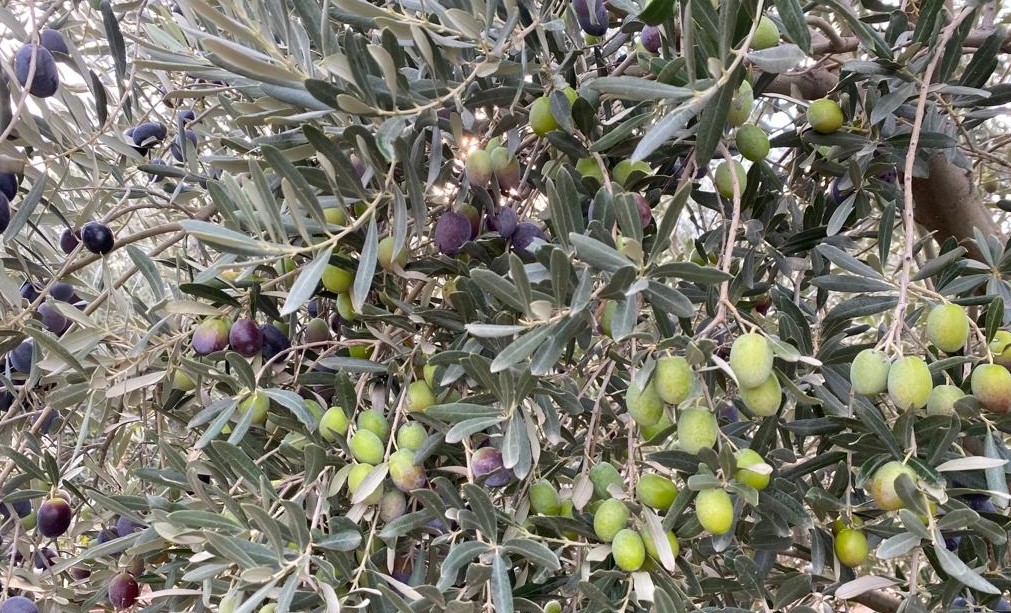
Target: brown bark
<point>947,205</point>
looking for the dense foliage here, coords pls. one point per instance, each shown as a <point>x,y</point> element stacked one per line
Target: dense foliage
<point>460,306</point>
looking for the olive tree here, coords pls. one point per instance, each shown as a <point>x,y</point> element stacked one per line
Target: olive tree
<point>460,306</point>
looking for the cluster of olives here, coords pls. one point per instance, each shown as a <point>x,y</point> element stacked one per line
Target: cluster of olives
<point>908,380</point>
<point>45,79</point>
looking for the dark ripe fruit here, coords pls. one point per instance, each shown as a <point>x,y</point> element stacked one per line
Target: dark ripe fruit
<point>980,503</point>
<point>97,237</point>
<point>62,291</point>
<point>317,330</point>
<point>187,116</point>
<point>274,341</point>
<point>452,230</point>
<point>29,291</point>
<point>177,146</point>
<point>69,239</point>
<point>54,517</point>
<point>53,41</point>
<point>245,338</point>
<point>406,476</point>
<point>645,212</point>
<point>44,557</point>
<point>335,323</point>
<point>6,400</point>
<point>991,385</point>
<point>18,604</point>
<point>592,16</point>
<point>125,526</point>
<point>524,238</point>
<point>20,358</point>
<point>106,535</point>
<point>8,184</point>
<point>650,38</point>
<point>46,79</point>
<point>5,213</point>
<point>210,336</point>
<point>53,320</point>
<point>312,307</point>
<point>123,591</point>
<point>23,508</point>
<point>504,221</point>
<point>147,135</point>
<point>486,464</point>
<point>47,423</point>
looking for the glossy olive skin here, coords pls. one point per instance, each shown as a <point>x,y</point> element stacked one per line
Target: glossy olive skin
<point>46,79</point>
<point>123,591</point>
<point>54,517</point>
<point>97,237</point>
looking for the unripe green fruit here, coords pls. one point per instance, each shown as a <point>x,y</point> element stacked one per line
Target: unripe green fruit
<point>942,399</point>
<point>697,429</point>
<point>367,447</point>
<point>392,505</point>
<point>851,547</point>
<point>655,491</point>
<point>610,518</point>
<point>478,167</point>
<point>1000,347</point>
<point>644,405</point>
<point>411,436</point>
<point>337,280</point>
<point>317,330</point>
<point>624,168</point>
<point>753,478</point>
<point>723,178</point>
<point>182,381</point>
<point>419,396</point>
<point>825,115</point>
<point>673,379</point>
<point>602,476</point>
<point>869,372</point>
<point>506,168</point>
<point>763,400</point>
<point>628,550</point>
<point>346,309</point>
<point>649,432</point>
<point>405,474</point>
<point>385,254</point>
<point>544,498</point>
<point>356,475</point>
<point>374,421</point>
<point>334,423</point>
<point>607,316</point>
<point>766,35</point>
<point>335,215</point>
<point>715,511</point>
<point>740,106</point>
<point>948,327</point>
<point>541,118</point>
<point>553,606</point>
<point>752,142</point>
<point>588,167</point>
<point>651,548</point>
<point>909,383</point>
<point>991,385</point>
<point>882,485</point>
<point>751,359</point>
<point>257,402</point>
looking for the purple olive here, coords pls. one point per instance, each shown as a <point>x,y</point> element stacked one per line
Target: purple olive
<point>46,79</point>
<point>452,230</point>
<point>645,213</point>
<point>274,341</point>
<point>177,146</point>
<point>52,319</point>
<point>97,237</point>
<point>245,338</point>
<point>123,591</point>
<point>5,212</point>
<point>18,604</point>
<point>504,221</point>
<point>592,16</point>
<point>20,357</point>
<point>29,291</point>
<point>9,185</point>
<point>524,238</point>
<point>69,240</point>
<point>486,464</point>
<point>147,135</point>
<point>62,291</point>
<point>125,526</point>
<point>210,336</point>
<point>53,40</point>
<point>650,38</point>
<point>54,517</point>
